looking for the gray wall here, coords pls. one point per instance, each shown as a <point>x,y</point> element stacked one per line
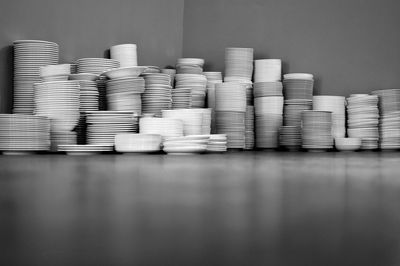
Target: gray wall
<point>86,28</point>
<point>351,46</point>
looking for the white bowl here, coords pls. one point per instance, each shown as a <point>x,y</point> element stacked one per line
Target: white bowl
<point>347,144</point>
<point>124,72</point>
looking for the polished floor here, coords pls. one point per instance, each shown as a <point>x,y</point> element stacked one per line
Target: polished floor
<point>244,208</point>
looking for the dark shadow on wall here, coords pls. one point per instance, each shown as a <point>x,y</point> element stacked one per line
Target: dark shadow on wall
<point>6,83</point>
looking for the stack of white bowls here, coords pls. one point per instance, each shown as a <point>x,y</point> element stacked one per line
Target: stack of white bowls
<point>158,93</point>
<point>166,127</point>
<point>389,127</point>
<point>197,84</point>
<point>363,119</point>
<point>238,64</point>
<point>125,54</point>
<point>267,70</point>
<point>230,112</point>
<point>317,130</point>
<point>336,105</point>
<point>189,66</point>
<point>59,72</point>
<point>29,56</point>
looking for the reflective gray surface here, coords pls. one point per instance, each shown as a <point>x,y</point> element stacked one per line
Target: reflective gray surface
<point>249,208</point>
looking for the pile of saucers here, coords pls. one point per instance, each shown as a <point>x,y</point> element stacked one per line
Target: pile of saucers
<point>217,143</point>
<point>238,64</point>
<point>197,83</point>
<point>124,94</point>
<point>166,127</point>
<point>96,65</point>
<point>24,133</point>
<point>59,72</point>
<point>189,66</point>
<point>249,128</point>
<point>298,86</point>
<point>102,126</point>
<point>137,143</point>
<point>125,54</point>
<point>336,105</point>
<point>158,93</point>
<point>267,70</point>
<point>317,130</point>
<point>290,137</point>
<point>389,126</point>
<point>29,56</point>
<point>191,144</point>
<point>181,98</point>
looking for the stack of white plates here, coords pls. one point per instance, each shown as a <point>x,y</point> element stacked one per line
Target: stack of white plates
<point>198,84</point>
<point>124,94</point>
<point>238,64</point>
<point>217,143</point>
<point>267,70</point>
<point>191,144</point>
<point>96,65</point>
<point>230,107</point>
<point>166,127</point>
<point>171,72</point>
<point>62,138</point>
<point>102,126</point>
<point>189,66</point>
<point>29,56</point>
<point>290,137</point>
<point>249,128</point>
<point>89,96</point>
<point>389,106</point>
<point>336,105</point>
<point>317,130</point>
<point>24,133</point>
<point>195,121</point>
<point>298,86</point>
<point>55,72</point>
<point>266,89</point>
<point>59,101</point>
<point>158,93</point>
<point>85,149</point>
<point>137,143</point>
<point>125,54</point>
<point>268,111</point>
<point>181,98</point>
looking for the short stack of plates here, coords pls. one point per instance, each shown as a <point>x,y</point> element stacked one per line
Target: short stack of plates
<point>96,65</point>
<point>389,126</point>
<point>85,149</point>
<point>102,126</point>
<point>230,112</point>
<point>268,112</point>
<point>249,128</point>
<point>266,89</point>
<point>55,72</point>
<point>166,127</point>
<point>158,93</point>
<point>191,144</point>
<point>317,130</point>
<point>217,143</point>
<point>24,133</point>
<point>290,137</point>
<point>171,72</point>
<point>181,98</point>
<point>29,56</point>
<point>89,96</point>
<point>267,70</point>
<point>59,101</point>
<point>124,94</point>
<point>189,66</point>
<point>298,86</point>
<point>138,143</point>
<point>125,54</point>
<point>336,105</point>
<point>198,84</point>
<point>238,64</point>
<point>363,120</point>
